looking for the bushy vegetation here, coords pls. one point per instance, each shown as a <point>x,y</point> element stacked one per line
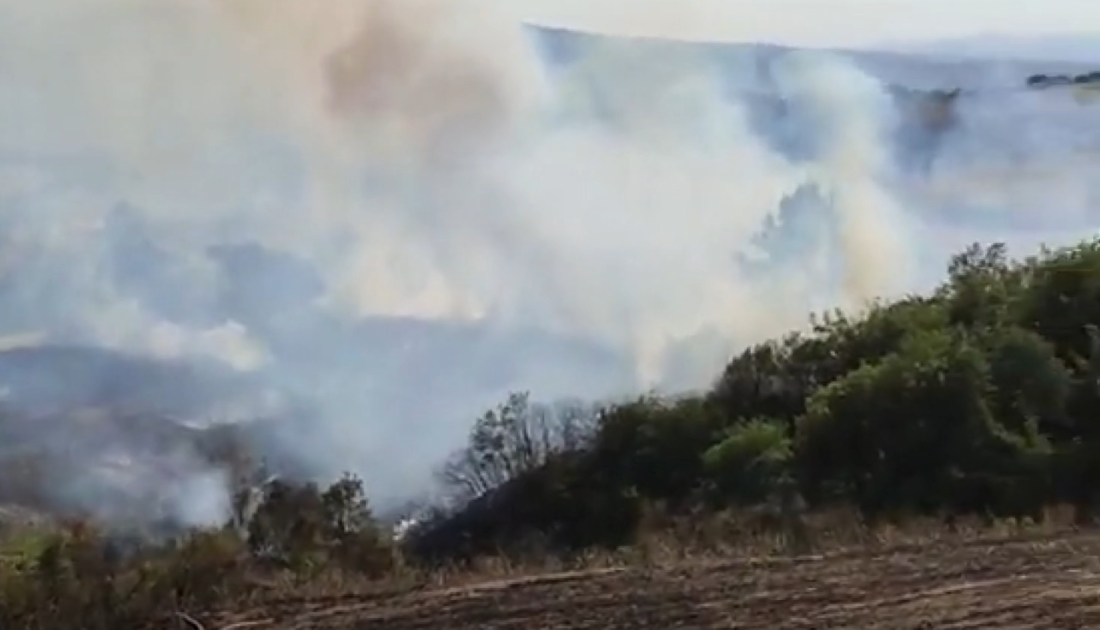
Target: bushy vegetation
<point>982,398</point>
<point>75,576</point>
<point>979,400</point>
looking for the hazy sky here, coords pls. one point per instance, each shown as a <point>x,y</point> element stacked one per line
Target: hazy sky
<point>816,22</point>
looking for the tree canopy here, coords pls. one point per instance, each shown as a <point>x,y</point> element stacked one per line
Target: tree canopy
<point>981,397</point>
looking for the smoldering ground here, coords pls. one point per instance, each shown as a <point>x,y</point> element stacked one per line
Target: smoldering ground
<point>391,213</point>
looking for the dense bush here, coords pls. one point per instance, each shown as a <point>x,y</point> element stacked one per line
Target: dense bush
<point>982,398</point>
<point>750,463</point>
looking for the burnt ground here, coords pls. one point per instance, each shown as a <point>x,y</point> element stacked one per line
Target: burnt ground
<point>1039,582</point>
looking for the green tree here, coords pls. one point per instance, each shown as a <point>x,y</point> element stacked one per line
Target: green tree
<point>656,446</point>
<point>749,465</point>
<point>914,432</point>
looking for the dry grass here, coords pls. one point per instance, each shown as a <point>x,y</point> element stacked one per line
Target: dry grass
<point>832,571</point>
<point>1026,582</point>
<point>734,570</point>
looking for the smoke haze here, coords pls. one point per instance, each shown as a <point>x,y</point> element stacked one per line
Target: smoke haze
<point>392,212</point>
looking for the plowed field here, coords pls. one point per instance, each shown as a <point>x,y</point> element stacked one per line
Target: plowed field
<point>1033,583</point>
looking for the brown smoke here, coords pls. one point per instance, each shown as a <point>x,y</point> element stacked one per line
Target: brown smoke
<point>393,79</point>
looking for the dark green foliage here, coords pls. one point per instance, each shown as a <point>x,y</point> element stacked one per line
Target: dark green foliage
<point>914,431</point>
<point>655,446</point>
<point>980,398</point>
<point>750,463</point>
<point>1030,385</point>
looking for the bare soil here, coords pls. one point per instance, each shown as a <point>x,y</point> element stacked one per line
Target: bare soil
<point>1038,582</point>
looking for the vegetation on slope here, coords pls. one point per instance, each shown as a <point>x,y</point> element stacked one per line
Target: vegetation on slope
<point>981,398</point>
<point>978,399</point>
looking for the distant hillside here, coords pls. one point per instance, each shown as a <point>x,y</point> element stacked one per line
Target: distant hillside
<point>1074,48</point>
<point>912,65</point>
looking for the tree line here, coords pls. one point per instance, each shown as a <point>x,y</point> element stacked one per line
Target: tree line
<point>979,398</point>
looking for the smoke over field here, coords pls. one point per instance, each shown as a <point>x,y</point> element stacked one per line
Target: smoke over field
<point>377,217</point>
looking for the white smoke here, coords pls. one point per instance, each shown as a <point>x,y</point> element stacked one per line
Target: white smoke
<point>419,158</point>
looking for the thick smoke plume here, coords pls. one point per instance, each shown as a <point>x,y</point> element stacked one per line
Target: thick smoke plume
<point>391,212</point>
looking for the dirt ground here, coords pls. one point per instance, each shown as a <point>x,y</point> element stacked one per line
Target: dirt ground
<point>1035,583</point>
